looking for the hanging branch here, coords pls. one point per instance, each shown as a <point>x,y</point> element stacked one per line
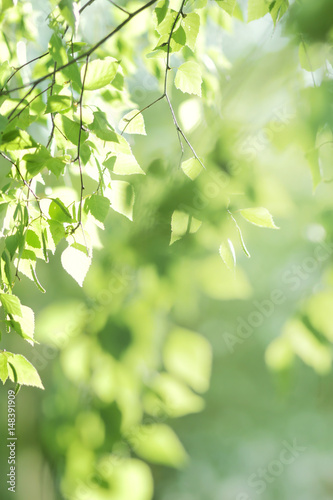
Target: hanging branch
<point>180,132</point>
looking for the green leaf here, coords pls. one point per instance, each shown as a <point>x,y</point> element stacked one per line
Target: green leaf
<point>71,130</point>
<point>134,123</point>
<point>259,216</point>
<point>182,223</point>
<point>165,20</point>
<point>24,325</point>
<point>98,206</point>
<point>191,25</point>
<point>11,304</point>
<point>227,5</point>
<point>307,346</point>
<point>32,239</point>
<point>3,367</point>
<point>16,140</point>
<point>159,444</point>
<point>192,168</point>
<point>188,356</point>
<point>160,11</point>
<point>312,56</point>
<point>257,9</point>
<point>57,50</point>
<point>37,161</point>
<point>76,263</point>
<point>22,372</point>
<point>278,8</point>
<point>58,211</point>
<point>58,103</point>
<point>242,242</point>
<point>102,128</point>
<point>57,231</point>
<point>70,15</point>
<point>227,253</point>
<point>100,73</point>
<point>5,72</point>
<point>188,78</point>
<point>122,198</point>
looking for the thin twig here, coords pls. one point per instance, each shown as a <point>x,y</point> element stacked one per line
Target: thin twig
<point>80,12</point>
<point>23,65</point>
<point>120,8</point>
<point>141,111</point>
<point>24,181</point>
<point>78,158</point>
<point>28,104</point>
<point>52,114</point>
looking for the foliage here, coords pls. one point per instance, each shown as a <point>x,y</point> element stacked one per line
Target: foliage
<point>70,122</point>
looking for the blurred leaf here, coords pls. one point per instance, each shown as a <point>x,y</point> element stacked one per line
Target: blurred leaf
<point>181,224</point>
<point>122,198</point>
<point>257,9</point>
<point>159,444</point>
<point>227,253</point>
<point>307,347</point>
<point>279,354</point>
<point>192,168</point>
<point>188,356</point>
<point>259,216</point>
<point>3,367</point>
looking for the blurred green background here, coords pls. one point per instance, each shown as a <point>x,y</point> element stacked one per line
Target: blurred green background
<point>126,360</point>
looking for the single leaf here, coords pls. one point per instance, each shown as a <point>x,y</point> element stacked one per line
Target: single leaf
<point>70,13</point>
<point>122,198</point>
<point>71,130</point>
<point>182,223</point>
<point>278,8</point>
<point>22,372</point>
<point>257,9</point>
<point>259,216</point>
<point>227,253</point>
<point>227,5</point>
<point>58,211</point>
<point>192,168</point>
<point>58,103</point>
<point>57,231</point>
<point>159,444</point>
<point>24,325</point>
<point>100,73</point>
<point>188,356</point>
<point>3,367</point>
<point>32,239</point>
<point>11,304</point>
<point>76,263</point>
<point>98,206</point>
<point>37,161</point>
<point>191,25</point>
<point>57,50</point>
<point>188,78</point>
<point>133,123</point>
